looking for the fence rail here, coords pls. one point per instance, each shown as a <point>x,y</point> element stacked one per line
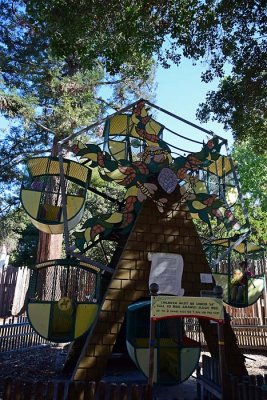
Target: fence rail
<point>251,337</point>
<point>16,333</point>
<point>65,390</point>
<point>248,336</point>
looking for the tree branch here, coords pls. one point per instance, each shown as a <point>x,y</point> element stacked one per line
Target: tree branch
<point>23,157</point>
<point>109,82</point>
<point>43,127</point>
<point>109,104</point>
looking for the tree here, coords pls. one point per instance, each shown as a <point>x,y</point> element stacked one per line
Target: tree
<point>26,250</point>
<point>11,227</point>
<point>253,176</point>
<point>47,98</point>
<point>224,35</point>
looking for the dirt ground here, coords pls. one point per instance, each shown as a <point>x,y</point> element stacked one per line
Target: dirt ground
<point>42,363</point>
<point>45,363</point>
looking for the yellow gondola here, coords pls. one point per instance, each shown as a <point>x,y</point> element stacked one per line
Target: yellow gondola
<point>122,140</point>
<point>221,167</point>
<point>63,299</point>
<point>41,194</point>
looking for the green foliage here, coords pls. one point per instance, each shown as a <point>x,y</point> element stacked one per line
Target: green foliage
<point>252,168</point>
<point>26,249</point>
<point>46,97</point>
<point>120,35</point>
<point>239,104</point>
<point>221,34</point>
<point>258,219</point>
<point>11,227</point>
<point>20,238</point>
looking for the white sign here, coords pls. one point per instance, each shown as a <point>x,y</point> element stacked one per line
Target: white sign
<point>166,270</point>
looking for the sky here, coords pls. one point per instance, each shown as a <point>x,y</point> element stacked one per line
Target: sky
<point>180,90</point>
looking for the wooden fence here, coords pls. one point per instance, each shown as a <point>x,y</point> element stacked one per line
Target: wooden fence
<point>252,387</point>
<point>251,337</point>
<point>8,279</point>
<point>241,388</point>
<point>256,314</point>
<point>208,379</point>
<point>248,336</point>
<point>16,333</point>
<point>65,390</point>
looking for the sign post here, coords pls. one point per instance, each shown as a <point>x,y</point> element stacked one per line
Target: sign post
<point>152,333</point>
<point>218,292</point>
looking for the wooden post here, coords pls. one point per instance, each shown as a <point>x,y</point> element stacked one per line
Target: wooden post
<point>113,394</point>
<point>102,390</point>
<point>8,388</point>
<point>222,364</point>
<point>123,391</point>
<point>60,391</point>
<point>135,392</point>
<point>152,333</point>
<point>218,292</point>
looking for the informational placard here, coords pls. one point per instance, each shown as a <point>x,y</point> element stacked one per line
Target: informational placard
<point>199,307</point>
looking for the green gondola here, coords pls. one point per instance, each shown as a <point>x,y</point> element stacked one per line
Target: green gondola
<point>237,291</point>
<point>176,355</point>
<point>63,299</point>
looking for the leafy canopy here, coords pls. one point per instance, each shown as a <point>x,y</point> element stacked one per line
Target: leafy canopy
<point>253,174</point>
<point>46,97</point>
<point>221,34</point>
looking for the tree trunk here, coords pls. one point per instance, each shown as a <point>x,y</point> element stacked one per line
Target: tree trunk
<point>49,247</point>
<point>234,358</point>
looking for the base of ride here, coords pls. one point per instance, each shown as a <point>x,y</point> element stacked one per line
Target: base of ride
<point>175,355</point>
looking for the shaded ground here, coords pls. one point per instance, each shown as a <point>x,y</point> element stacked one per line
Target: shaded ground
<point>45,363</point>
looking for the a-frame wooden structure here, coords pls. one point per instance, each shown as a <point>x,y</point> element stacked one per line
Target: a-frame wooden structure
<point>172,232</point>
